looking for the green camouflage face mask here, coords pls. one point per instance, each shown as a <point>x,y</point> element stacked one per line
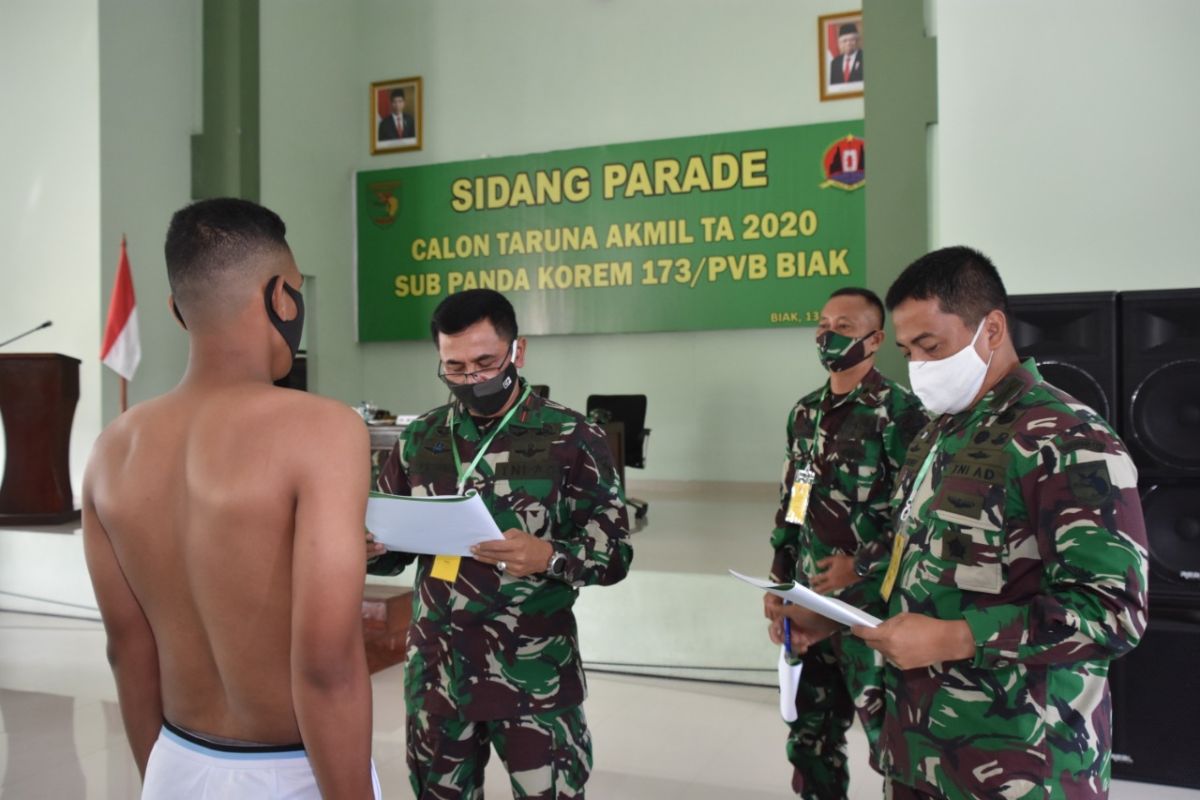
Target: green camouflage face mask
<point>839,353</point>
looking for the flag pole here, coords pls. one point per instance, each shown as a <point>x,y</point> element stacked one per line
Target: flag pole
<point>124,383</point>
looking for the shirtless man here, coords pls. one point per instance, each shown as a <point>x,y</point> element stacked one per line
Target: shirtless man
<point>222,525</point>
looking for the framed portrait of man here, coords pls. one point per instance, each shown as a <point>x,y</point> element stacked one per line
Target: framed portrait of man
<point>396,115</point>
<point>840,46</point>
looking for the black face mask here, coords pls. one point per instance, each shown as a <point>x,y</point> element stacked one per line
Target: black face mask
<point>486,398</point>
<point>290,330</point>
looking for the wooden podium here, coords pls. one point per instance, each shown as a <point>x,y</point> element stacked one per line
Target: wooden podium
<point>387,614</point>
<point>38,393</point>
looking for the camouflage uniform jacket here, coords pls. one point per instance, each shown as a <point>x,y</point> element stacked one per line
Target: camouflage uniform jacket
<point>864,436</point>
<point>489,645</point>
<point>1028,526</point>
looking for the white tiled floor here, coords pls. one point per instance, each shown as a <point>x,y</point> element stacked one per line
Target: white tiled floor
<point>654,738</point>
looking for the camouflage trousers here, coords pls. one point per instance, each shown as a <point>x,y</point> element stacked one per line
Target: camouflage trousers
<point>840,676</point>
<point>548,756</point>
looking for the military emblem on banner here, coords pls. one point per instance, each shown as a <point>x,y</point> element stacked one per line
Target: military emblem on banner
<point>845,164</point>
<point>383,199</point>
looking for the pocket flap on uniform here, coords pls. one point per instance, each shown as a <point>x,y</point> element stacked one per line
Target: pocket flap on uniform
<point>973,556</point>
<point>970,538</point>
<point>987,578</point>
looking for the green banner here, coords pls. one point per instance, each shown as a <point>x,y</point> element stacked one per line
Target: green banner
<point>751,229</point>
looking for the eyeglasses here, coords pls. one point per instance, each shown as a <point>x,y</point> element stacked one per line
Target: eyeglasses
<point>457,376</point>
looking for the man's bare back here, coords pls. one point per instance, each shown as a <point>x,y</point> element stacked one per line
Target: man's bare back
<point>223,529</point>
<point>197,491</point>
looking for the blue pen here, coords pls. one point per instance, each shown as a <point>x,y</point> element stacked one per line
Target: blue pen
<point>787,632</point>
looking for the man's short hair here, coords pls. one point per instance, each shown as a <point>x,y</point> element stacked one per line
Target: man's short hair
<point>866,294</point>
<point>848,28</point>
<point>209,238</point>
<point>462,310</point>
<point>397,93</point>
<point>963,281</point>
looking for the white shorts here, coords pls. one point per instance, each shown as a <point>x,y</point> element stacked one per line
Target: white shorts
<point>184,766</point>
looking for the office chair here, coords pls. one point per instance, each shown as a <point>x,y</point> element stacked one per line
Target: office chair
<point>630,411</point>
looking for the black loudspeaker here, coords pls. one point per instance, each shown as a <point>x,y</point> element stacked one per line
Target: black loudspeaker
<point>1073,338</point>
<point>1156,703</point>
<point>1160,364</point>
<point>1172,512</point>
<point>1156,688</point>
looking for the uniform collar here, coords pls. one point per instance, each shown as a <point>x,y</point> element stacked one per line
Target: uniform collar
<point>867,392</point>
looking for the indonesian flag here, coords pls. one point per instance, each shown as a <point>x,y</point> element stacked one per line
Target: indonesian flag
<point>122,350</point>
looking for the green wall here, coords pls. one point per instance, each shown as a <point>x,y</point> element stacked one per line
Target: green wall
<point>901,107</point>
<point>225,154</point>
<point>1066,149</point>
<point>150,107</point>
<point>50,193</point>
<point>530,76</point>
<point>1084,181</point>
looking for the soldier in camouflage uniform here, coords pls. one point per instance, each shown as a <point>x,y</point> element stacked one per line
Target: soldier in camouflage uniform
<point>865,424</point>
<point>493,656</point>
<point>1020,565</point>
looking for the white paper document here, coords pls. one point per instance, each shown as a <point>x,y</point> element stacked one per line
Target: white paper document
<point>789,684</point>
<point>830,607</point>
<point>443,525</point>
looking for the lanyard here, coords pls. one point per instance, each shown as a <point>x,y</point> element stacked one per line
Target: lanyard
<point>921,473</point>
<point>816,440</point>
<point>484,445</point>
<point>901,540</point>
<point>912,493</point>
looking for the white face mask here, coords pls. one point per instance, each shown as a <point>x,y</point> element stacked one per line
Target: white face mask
<point>949,385</point>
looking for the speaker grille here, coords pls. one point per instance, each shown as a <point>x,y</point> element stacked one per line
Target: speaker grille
<point>1160,366</point>
<point>1164,414</point>
<point>1172,513</point>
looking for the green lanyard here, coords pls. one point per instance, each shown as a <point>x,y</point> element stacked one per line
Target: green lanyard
<point>907,510</point>
<point>815,447</point>
<point>484,445</point>
<point>921,473</point>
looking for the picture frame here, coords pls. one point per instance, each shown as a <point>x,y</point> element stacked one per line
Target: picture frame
<point>840,55</point>
<point>392,133</point>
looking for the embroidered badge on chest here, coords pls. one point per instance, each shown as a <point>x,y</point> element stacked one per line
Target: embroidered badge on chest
<point>956,547</point>
<point>528,457</point>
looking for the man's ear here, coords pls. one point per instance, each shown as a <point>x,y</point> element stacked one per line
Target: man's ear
<point>520,359</point>
<point>879,337</point>
<point>995,325</point>
<point>281,301</point>
<point>175,310</point>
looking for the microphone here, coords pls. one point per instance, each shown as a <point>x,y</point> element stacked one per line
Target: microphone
<point>45,324</point>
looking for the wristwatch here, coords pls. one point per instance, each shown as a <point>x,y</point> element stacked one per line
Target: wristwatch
<point>557,567</point>
<point>861,568</point>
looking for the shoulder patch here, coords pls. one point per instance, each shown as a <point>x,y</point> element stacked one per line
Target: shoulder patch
<point>1090,483</point>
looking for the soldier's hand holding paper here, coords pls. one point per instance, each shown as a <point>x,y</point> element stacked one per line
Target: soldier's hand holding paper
<point>521,553</point>
<point>914,640</point>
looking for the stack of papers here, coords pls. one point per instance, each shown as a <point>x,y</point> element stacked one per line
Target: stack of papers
<point>445,525</point>
<point>829,607</point>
